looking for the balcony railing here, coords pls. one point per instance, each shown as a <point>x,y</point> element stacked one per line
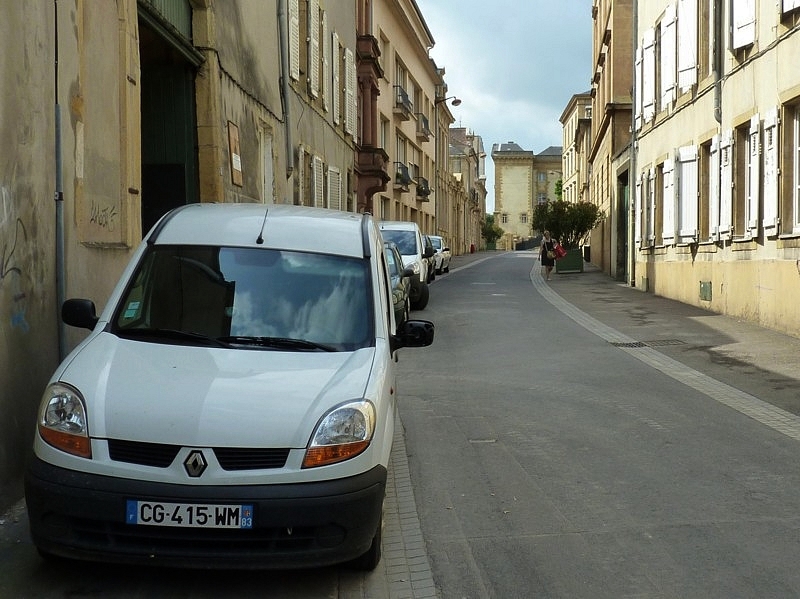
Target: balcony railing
<point>402,178</point>
<point>423,127</point>
<point>423,188</point>
<point>403,107</point>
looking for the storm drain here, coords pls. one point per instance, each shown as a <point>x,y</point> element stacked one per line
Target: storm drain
<point>655,343</point>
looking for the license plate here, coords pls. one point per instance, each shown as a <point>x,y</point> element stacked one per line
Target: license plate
<point>189,515</point>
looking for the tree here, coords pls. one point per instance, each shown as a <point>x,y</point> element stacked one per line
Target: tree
<point>490,230</point>
<point>568,222</point>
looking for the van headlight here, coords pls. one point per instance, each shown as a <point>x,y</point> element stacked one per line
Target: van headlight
<point>62,420</point>
<point>343,433</point>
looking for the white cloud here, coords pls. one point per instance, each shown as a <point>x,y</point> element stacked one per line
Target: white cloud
<point>515,64</point>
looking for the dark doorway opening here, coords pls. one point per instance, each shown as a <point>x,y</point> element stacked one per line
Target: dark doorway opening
<point>169,127</point>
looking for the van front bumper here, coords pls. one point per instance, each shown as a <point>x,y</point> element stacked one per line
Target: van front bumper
<point>83,516</point>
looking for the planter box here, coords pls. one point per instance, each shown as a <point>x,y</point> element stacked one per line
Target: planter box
<point>572,262</point>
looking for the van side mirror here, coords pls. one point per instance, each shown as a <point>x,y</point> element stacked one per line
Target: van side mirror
<point>79,313</point>
<point>413,333</point>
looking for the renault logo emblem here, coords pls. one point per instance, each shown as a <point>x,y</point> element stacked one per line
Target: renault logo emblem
<point>195,464</point>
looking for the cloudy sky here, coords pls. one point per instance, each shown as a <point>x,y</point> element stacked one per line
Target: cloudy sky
<point>515,64</point>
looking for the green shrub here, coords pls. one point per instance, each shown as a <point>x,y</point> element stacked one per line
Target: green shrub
<point>568,222</point>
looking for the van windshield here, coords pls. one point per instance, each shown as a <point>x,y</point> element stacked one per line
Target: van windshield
<point>251,297</point>
<point>406,241</point>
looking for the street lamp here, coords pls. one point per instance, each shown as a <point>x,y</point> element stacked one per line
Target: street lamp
<point>455,102</point>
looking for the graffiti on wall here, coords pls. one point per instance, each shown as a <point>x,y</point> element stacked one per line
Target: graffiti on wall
<point>103,216</point>
<point>13,235</point>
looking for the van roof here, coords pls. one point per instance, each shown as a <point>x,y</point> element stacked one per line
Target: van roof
<point>280,226</point>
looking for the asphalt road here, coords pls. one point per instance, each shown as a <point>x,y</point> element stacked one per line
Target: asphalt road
<point>555,456</point>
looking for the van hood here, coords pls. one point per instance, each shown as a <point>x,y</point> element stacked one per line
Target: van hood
<point>211,397</point>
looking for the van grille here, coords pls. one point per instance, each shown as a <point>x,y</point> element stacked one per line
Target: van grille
<point>160,455</point>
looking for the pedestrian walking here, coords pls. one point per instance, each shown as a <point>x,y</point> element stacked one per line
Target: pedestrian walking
<point>548,254</point>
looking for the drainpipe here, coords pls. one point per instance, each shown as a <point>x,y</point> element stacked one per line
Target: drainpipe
<point>719,46</point>
<point>633,176</point>
<point>283,24</point>
<point>59,199</point>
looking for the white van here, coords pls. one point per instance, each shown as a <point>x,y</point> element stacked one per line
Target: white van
<point>408,239</point>
<point>234,403</point>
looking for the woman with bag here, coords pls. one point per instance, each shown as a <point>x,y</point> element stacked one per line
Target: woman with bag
<point>548,253</point>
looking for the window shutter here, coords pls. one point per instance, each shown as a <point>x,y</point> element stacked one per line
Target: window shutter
<point>725,184</point>
<point>313,48</point>
<point>637,223</point>
<point>744,23</point>
<point>648,75</point>
<point>687,194</point>
<point>325,82</point>
<point>335,91</point>
<point>349,92</point>
<point>790,5</point>
<point>713,189</point>
<point>294,39</point>
<point>753,175</point>
<point>318,181</point>
<point>638,90</point>
<point>651,206</point>
<point>770,221</point>
<point>687,44</point>
<point>334,189</point>
<point>668,52</point>
<point>668,199</point>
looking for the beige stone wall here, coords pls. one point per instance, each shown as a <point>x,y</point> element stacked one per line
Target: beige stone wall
<point>750,278</point>
<point>404,40</point>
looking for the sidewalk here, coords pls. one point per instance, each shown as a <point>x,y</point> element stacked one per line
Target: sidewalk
<point>754,359</point>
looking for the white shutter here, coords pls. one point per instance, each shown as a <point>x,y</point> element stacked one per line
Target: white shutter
<point>325,82</point>
<point>713,189</point>
<point>294,39</point>
<point>744,23</point>
<point>651,206</point>
<point>648,75</point>
<point>639,213</point>
<point>770,220</point>
<point>335,70</point>
<point>668,51</point>
<point>790,5</point>
<point>318,181</point>
<point>334,189</point>
<point>668,202</point>
<point>638,90</point>
<point>753,176</point>
<point>687,194</point>
<point>313,48</point>
<point>349,92</point>
<point>725,184</point>
<point>687,44</point>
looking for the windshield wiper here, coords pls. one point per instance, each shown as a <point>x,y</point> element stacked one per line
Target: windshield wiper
<point>279,342</point>
<point>172,334</point>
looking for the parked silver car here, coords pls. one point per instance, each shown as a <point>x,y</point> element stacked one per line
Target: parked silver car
<point>441,259</point>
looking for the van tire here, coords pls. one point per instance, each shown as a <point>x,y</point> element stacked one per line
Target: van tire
<point>422,299</point>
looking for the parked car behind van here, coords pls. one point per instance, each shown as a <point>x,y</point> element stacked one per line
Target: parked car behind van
<point>441,259</point>
<point>234,403</point>
<point>408,239</point>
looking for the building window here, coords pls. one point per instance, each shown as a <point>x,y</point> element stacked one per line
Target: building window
<point>523,218</point>
<point>747,179</point>
<point>687,195</point>
<point>790,167</point>
<point>708,187</point>
<point>504,218</point>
